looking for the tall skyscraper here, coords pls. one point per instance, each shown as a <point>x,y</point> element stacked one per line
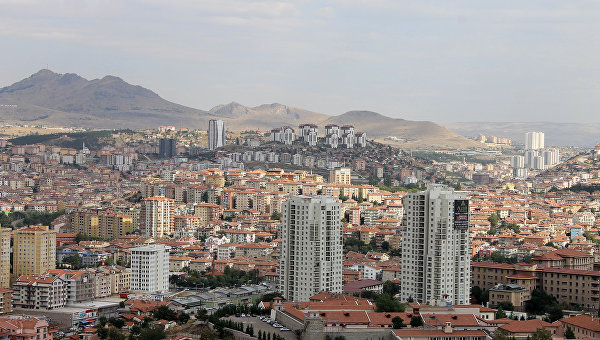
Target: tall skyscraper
<point>311,251</point>
<point>216,134</point>
<point>150,268</point>
<point>534,140</point>
<point>34,250</point>
<point>157,216</point>
<point>167,148</point>
<point>435,246</point>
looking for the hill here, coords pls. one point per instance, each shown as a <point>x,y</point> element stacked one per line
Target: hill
<point>556,134</point>
<point>70,100</point>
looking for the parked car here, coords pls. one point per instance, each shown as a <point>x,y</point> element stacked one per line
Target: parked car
<point>283,329</point>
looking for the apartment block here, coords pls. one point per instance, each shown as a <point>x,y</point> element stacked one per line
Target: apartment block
<point>5,234</point>
<point>435,246</point>
<point>311,249</point>
<point>157,216</point>
<point>34,251</point>
<point>150,268</point>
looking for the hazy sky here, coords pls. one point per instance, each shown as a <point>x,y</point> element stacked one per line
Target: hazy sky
<point>427,60</point>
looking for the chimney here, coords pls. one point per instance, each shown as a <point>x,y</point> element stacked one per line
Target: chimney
<point>448,328</point>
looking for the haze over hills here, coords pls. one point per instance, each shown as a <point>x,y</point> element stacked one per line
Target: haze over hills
<point>70,100</point>
<point>556,134</point>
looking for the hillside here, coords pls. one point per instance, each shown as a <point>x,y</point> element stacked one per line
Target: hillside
<point>412,134</point>
<point>68,99</point>
<point>48,98</point>
<point>556,134</point>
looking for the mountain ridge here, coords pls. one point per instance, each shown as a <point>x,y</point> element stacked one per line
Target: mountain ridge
<point>68,99</point>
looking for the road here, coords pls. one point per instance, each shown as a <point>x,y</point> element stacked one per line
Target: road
<point>264,327</point>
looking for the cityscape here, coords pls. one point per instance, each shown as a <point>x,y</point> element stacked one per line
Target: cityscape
<point>470,210</point>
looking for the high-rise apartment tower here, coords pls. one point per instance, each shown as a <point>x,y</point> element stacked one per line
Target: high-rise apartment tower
<point>435,247</point>
<point>216,134</point>
<point>311,253</point>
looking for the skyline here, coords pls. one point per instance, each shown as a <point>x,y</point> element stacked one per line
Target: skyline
<point>428,61</point>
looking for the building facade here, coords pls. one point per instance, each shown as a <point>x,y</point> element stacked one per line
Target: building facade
<point>34,250</point>
<point>216,134</point>
<point>311,253</point>
<point>435,246</point>
<point>5,234</point>
<point>150,269</point>
<point>156,216</point>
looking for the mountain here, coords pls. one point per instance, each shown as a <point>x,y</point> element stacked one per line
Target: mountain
<point>68,99</point>
<point>71,100</point>
<point>409,134</point>
<point>556,134</point>
<point>264,117</point>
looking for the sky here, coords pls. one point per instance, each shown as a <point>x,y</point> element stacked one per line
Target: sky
<point>444,61</point>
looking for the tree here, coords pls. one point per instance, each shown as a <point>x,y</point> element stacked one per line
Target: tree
<point>390,288</point>
<point>74,261</point>
<point>119,323</point>
<point>387,181</point>
<point>500,313</point>
<point>506,305</point>
<point>397,322</point>
<point>102,321</point>
<point>385,303</point>
<point>493,219</point>
<point>500,334</point>
<point>276,216</point>
<point>102,332</point>
<point>183,317</point>
<point>542,334</point>
<point>385,245</point>
<point>152,334</point>
<point>555,313</point>
<point>164,313</point>
<point>416,321</point>
<point>135,330</point>
<point>476,293</point>
<point>569,333</point>
<point>114,334</point>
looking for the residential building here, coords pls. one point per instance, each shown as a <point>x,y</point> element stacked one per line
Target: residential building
<point>167,148</point>
<point>435,246</point>
<point>534,140</point>
<point>5,234</point>
<point>150,268</point>
<point>340,176</point>
<point>156,216</point>
<point>311,249</point>
<point>34,250</point>
<point>39,292</point>
<point>216,134</point>
<point>6,300</point>
<point>25,328</point>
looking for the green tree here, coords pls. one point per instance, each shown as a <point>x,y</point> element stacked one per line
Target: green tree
<point>183,317</point>
<point>476,293</point>
<point>506,305</point>
<point>500,334</point>
<point>500,313</point>
<point>387,181</point>
<point>164,313</point>
<point>119,323</point>
<point>542,334</point>
<point>569,334</point>
<point>151,333</point>
<point>416,321</point>
<point>102,332</point>
<point>493,219</point>
<point>390,288</point>
<point>74,261</point>
<point>397,322</point>
<point>276,216</point>
<point>135,330</point>
<point>385,245</point>
<point>102,321</point>
<point>385,303</point>
<point>114,334</point>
